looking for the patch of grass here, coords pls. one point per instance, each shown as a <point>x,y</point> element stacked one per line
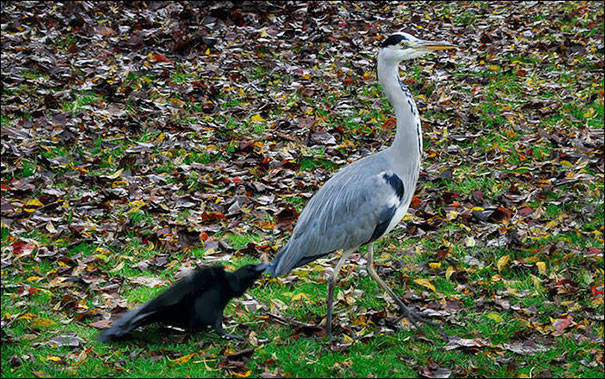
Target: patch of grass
<point>83,98</point>
<point>238,241</point>
<point>181,77</point>
<point>311,163</point>
<point>29,167</point>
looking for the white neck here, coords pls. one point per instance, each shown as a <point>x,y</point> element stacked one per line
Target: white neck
<point>407,146</point>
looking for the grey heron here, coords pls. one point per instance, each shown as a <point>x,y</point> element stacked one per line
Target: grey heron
<point>366,199</point>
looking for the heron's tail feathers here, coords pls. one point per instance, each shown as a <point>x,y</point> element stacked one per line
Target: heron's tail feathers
<point>272,268</point>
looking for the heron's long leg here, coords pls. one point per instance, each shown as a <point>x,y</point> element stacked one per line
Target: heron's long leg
<point>411,315</point>
<point>329,301</point>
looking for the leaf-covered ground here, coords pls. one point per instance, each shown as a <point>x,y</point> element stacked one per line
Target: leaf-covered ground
<point>141,140</point>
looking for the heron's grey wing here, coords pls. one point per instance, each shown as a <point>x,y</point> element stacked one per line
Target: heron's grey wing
<point>351,209</point>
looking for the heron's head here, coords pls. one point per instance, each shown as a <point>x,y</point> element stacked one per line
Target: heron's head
<point>401,46</point>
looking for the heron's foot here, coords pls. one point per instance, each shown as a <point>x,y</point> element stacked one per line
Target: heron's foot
<point>329,328</point>
<point>415,317</point>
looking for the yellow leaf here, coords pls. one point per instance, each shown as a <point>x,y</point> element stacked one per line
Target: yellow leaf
<point>448,273</point>
<point>102,257</point>
<point>28,316</point>
<point>160,138</point>
<point>229,351</point>
<point>118,267</point>
<point>541,267</point>
<point>494,316</point>
<point>537,281</point>
<point>435,265</point>
<point>496,278</point>
<point>53,358</point>
<point>243,374</point>
<point>451,215</point>
<point>589,113</point>
<point>426,283</point>
<point>184,358</point>
<point>299,297</point>
<point>257,117</point>
<point>493,67</point>
<point>115,174</point>
<point>347,339</point>
<point>136,204</point>
<point>470,242</point>
<point>502,262</point>
<point>42,323</point>
<point>34,202</point>
<point>33,278</point>
<point>51,228</point>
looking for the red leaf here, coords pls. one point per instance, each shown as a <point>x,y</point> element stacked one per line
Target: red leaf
<point>415,202</point>
<point>390,123</point>
<point>21,247</point>
<point>157,57</point>
<point>596,290</point>
<point>211,216</point>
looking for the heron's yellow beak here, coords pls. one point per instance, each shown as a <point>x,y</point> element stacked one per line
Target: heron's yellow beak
<point>436,45</point>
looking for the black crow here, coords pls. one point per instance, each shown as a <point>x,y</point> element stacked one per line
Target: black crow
<point>194,302</point>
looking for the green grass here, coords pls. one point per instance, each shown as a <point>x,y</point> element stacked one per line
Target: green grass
<point>379,355</point>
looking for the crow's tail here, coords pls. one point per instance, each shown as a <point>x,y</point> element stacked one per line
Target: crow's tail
<point>125,324</point>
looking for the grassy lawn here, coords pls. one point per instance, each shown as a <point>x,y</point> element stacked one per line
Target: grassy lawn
<point>128,161</point>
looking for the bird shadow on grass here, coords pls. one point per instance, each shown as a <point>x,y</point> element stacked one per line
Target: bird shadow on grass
<point>165,335</point>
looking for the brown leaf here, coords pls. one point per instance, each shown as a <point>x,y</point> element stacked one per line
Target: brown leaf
<point>323,138</point>
<point>286,215</point>
<point>527,347</point>
<point>66,340</point>
<point>561,324</point>
<point>499,215</point>
<point>434,372</point>
<point>455,342</point>
<point>101,324</point>
<point>147,281</point>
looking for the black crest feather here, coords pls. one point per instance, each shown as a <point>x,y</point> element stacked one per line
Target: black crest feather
<point>394,40</point>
